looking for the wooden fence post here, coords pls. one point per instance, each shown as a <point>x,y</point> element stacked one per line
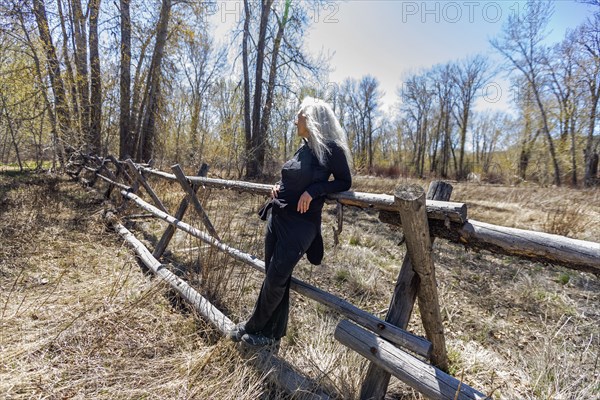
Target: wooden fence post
<point>183,205</point>
<point>111,176</point>
<point>140,178</point>
<point>121,172</point>
<point>377,379</point>
<point>411,202</point>
<point>192,194</point>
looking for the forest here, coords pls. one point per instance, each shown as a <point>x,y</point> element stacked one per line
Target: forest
<point>147,80</point>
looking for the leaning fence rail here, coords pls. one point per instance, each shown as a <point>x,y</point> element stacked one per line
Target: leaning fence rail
<point>443,219</point>
<point>448,220</point>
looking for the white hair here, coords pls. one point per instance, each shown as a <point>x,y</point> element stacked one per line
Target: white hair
<point>324,127</point>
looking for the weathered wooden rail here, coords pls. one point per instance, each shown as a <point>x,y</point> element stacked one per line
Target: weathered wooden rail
<point>385,343</point>
<point>448,220</point>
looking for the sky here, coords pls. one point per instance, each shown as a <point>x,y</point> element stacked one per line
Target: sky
<point>390,39</point>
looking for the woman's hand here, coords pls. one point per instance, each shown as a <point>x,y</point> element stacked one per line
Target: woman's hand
<point>274,191</point>
<point>304,202</point>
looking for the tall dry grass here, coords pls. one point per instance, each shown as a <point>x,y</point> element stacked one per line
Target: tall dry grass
<point>102,329</point>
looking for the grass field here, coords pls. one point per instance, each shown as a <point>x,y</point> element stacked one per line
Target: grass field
<point>79,319</point>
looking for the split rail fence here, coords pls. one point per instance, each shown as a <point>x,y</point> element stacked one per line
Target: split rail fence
<point>389,347</point>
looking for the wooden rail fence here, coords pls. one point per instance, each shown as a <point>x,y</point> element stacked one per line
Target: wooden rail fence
<point>385,343</point>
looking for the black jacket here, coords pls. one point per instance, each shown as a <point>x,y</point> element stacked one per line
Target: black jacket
<point>303,172</point>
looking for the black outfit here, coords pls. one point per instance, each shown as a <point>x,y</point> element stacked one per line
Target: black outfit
<point>290,234</point>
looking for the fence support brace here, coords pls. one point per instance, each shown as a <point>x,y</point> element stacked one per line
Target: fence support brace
<point>431,381</point>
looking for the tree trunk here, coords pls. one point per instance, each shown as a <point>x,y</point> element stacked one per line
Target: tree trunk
<point>436,140</point>
<point>58,148</point>
<point>58,88</point>
<point>146,149</point>
<point>125,142</point>
<point>268,106</point>
<point>589,176</point>
<point>137,106</point>
<point>370,141</point>
<point>526,146</point>
<point>11,129</point>
<point>548,135</point>
<point>257,151</point>
<point>247,116</point>
<point>447,142</point>
<point>573,135</point>
<point>523,162</point>
<point>95,133</point>
<point>81,66</point>
<point>195,122</point>
<point>68,68</point>
<point>463,139</point>
<point>423,145</point>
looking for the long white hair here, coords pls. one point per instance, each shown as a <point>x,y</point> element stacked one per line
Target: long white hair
<point>324,127</point>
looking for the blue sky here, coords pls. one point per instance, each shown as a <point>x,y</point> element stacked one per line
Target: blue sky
<point>393,38</point>
<point>390,39</point>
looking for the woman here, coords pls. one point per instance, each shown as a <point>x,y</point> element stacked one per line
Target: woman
<point>294,224</point>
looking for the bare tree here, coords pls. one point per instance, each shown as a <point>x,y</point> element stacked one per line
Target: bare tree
<point>282,22</point>
<point>125,126</point>
<point>530,131</point>
<point>489,131</point>
<point>521,43</point>
<point>95,127</point>
<point>272,58</point>
<point>78,23</point>
<point>246,68</point>
<point>444,91</point>
<point>40,80</point>
<point>69,75</point>
<point>351,118</point>
<point>469,76</point>
<point>417,99</point>
<point>11,129</point>
<point>201,64</point>
<point>145,145</point>
<point>561,69</point>
<point>369,103</point>
<point>359,103</point>
<point>54,72</point>
<point>255,147</point>
<point>588,40</point>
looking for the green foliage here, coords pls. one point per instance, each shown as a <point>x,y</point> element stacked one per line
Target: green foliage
<point>354,239</point>
<point>564,278</point>
<point>342,275</point>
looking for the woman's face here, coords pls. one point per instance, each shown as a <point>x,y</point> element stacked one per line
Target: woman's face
<point>301,125</point>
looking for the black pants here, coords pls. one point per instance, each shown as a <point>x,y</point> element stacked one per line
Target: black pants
<point>287,238</point>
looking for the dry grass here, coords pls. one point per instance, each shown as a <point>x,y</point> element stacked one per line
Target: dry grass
<point>79,319</point>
